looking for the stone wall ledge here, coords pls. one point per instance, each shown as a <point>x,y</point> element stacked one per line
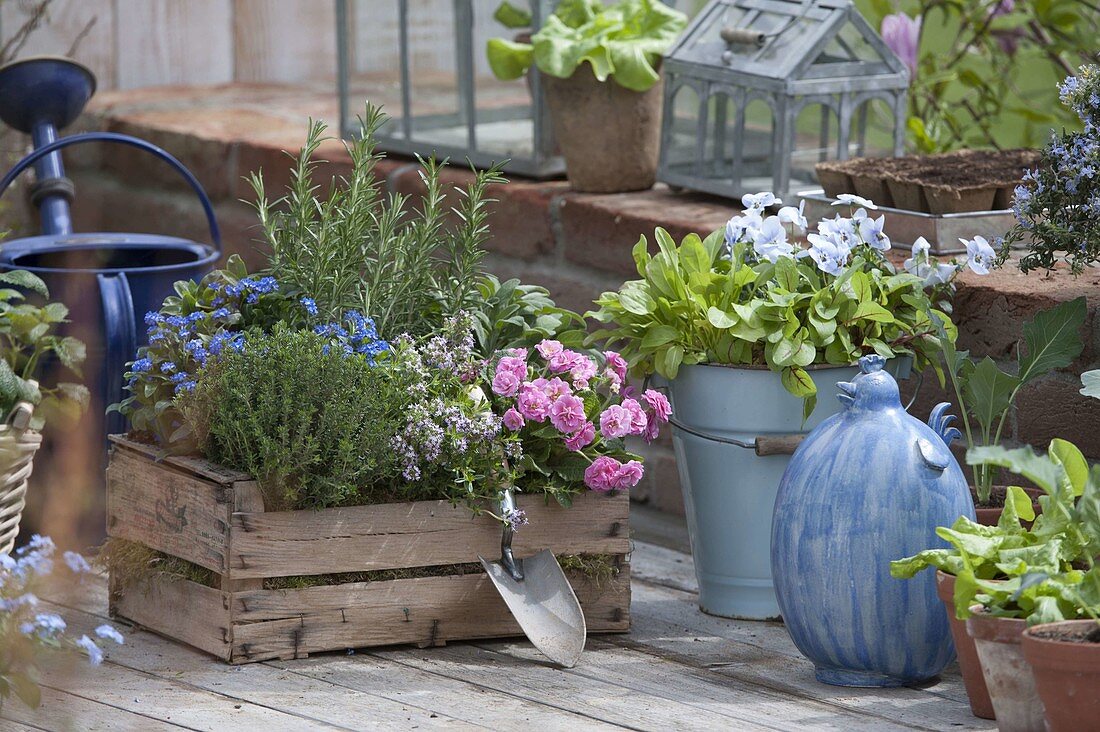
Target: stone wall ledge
<point>575,244</point>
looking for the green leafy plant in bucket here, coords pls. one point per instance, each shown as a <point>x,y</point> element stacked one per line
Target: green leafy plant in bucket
<point>623,41</point>
<point>987,393</point>
<point>756,298</point>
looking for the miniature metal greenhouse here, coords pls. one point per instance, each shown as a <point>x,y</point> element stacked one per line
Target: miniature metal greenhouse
<point>759,91</point>
<point>424,62</point>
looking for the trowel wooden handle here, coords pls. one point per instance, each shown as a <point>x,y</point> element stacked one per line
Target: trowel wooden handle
<point>778,444</point>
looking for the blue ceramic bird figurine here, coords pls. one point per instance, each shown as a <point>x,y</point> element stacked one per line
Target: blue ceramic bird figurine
<point>868,485</point>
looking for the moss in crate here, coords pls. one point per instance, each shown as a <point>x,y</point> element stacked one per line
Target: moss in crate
<point>129,561</point>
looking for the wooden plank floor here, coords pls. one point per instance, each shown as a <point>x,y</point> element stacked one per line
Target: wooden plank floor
<point>678,669</point>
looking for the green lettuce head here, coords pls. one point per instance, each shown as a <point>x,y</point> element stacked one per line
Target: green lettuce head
<point>625,41</point>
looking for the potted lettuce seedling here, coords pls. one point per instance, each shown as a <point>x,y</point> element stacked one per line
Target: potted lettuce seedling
<point>986,393</point>
<point>600,67</point>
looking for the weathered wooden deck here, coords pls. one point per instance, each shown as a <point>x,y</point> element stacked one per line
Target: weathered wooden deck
<point>677,669</point>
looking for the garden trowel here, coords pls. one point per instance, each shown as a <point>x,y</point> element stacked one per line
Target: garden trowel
<point>539,596</point>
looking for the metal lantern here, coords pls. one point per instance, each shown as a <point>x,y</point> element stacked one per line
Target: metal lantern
<point>759,91</point>
<point>424,62</point>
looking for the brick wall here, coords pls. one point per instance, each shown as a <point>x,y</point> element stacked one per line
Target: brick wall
<point>577,245</point>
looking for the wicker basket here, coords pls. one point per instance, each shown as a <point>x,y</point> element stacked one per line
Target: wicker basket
<point>18,444</point>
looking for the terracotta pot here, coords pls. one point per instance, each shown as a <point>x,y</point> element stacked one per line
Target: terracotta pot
<point>1067,675</point>
<point>990,515</point>
<point>872,186</point>
<point>1007,674</point>
<point>609,136</point>
<point>908,195</point>
<point>834,178</point>
<point>969,664</point>
<point>953,199</point>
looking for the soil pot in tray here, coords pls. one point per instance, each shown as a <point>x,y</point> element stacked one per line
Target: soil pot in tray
<point>949,199</point>
<point>609,135</point>
<point>834,178</point>
<point>1065,661</point>
<point>1007,673</point>
<point>969,664</point>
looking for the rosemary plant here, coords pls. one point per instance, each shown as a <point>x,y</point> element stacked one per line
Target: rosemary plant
<point>356,248</point>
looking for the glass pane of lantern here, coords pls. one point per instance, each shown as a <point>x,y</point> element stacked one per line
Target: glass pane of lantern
<point>683,151</point>
<point>757,150</point>
<point>816,132</point>
<point>872,133</point>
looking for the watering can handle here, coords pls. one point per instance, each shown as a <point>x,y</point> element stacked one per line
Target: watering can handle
<point>207,207</point>
<point>118,319</point>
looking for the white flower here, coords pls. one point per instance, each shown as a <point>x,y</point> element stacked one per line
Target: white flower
<point>921,265</point>
<point>108,632</point>
<point>796,216</point>
<point>770,241</point>
<point>849,199</point>
<point>980,255</point>
<point>95,654</point>
<point>77,563</point>
<point>742,228</point>
<point>829,254</point>
<point>840,230</point>
<point>759,201</point>
<point>870,230</point>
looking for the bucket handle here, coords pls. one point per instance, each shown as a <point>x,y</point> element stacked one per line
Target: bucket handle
<point>763,444</point>
<point>118,319</point>
<point>207,207</point>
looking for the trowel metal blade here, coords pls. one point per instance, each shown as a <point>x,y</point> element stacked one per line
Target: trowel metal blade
<point>544,605</point>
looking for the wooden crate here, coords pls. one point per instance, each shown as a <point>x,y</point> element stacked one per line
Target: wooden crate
<point>192,509</point>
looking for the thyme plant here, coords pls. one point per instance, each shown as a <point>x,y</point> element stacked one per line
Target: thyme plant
<point>356,248</point>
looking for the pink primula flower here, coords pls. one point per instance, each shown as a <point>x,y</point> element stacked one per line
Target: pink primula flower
<point>582,438</point>
<point>513,420</point>
<point>567,414</point>
<point>548,348</point>
<point>518,353</point>
<point>564,361</point>
<point>658,403</point>
<point>638,419</point>
<point>513,364</point>
<point>506,383</point>
<point>616,422</point>
<point>616,363</point>
<point>583,369</point>
<point>599,475</point>
<point>627,476</point>
<point>554,389</point>
<point>532,403</point>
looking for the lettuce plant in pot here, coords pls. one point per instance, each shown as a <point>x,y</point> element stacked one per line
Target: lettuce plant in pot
<point>743,328</point>
<point>600,67</point>
<point>987,393</point>
<point>1000,574</point>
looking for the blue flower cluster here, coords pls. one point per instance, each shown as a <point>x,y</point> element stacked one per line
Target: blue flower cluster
<point>248,287</point>
<point>357,334</point>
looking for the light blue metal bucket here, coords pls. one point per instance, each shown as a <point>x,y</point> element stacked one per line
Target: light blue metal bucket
<point>729,491</point>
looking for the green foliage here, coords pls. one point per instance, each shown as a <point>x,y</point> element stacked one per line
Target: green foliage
<point>695,304</point>
<point>310,423</point>
<point>353,248</point>
<point>1057,204</point>
<point>513,315</point>
<point>624,41</point>
<point>987,393</point>
<point>509,16</point>
<point>200,319</point>
<point>1090,383</point>
<point>29,340</point>
<point>986,76</point>
<point>1045,573</point>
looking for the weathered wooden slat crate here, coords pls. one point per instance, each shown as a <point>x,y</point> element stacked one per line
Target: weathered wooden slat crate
<point>214,517</point>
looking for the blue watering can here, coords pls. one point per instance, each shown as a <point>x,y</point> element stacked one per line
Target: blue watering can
<point>133,273</point>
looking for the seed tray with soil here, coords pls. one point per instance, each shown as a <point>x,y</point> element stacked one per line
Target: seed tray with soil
<point>950,183</point>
